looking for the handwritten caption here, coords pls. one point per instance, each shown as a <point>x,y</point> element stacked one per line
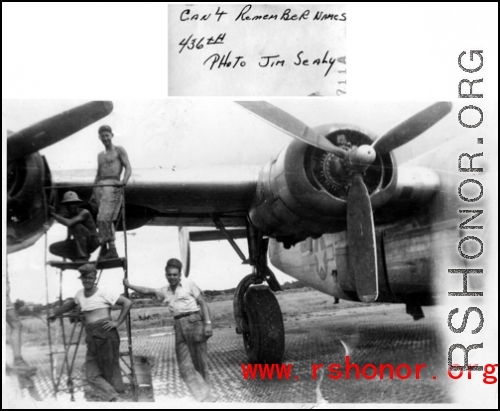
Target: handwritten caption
<point>214,59</point>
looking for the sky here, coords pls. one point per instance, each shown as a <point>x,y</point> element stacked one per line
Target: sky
<point>186,134</point>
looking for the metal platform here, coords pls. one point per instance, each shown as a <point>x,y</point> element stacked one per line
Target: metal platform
<point>62,371</point>
<point>99,264</point>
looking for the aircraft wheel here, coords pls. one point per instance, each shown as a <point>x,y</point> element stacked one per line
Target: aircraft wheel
<point>265,336</point>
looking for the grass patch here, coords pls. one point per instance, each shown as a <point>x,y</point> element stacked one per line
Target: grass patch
<point>293,303</point>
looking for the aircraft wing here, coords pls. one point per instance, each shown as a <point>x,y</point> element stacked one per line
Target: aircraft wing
<point>329,179</point>
<point>178,197</point>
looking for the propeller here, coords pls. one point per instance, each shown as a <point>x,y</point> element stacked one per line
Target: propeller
<point>49,131</point>
<point>355,161</point>
<point>361,240</point>
<point>290,125</point>
<point>411,128</point>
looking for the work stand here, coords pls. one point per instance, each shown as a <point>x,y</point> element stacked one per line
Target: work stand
<point>72,338</point>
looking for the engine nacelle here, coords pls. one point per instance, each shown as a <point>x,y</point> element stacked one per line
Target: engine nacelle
<point>28,174</point>
<point>303,192</point>
<point>414,189</point>
<point>27,201</point>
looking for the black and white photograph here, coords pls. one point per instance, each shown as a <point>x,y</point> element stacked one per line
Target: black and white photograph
<point>187,239</point>
<point>269,251</point>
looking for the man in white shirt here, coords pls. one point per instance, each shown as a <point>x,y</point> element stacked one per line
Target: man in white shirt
<point>102,361</point>
<point>192,327</point>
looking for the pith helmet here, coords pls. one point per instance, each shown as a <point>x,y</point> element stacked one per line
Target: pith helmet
<point>70,197</point>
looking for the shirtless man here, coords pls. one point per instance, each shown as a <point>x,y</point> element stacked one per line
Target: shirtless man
<point>82,238</point>
<point>102,361</point>
<point>110,164</point>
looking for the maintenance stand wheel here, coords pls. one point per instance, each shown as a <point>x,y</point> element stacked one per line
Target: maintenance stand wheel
<point>265,336</point>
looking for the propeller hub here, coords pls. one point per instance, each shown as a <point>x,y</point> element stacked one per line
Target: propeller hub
<point>362,156</point>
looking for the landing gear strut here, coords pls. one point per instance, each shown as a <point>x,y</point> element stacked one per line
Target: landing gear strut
<point>256,310</point>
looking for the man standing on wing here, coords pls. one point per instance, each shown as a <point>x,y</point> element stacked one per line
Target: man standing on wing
<point>102,361</point>
<point>192,327</point>
<point>82,238</point>
<point>110,164</point>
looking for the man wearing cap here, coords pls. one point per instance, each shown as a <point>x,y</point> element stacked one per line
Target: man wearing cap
<point>82,238</point>
<point>108,195</point>
<point>102,361</point>
<point>192,327</point>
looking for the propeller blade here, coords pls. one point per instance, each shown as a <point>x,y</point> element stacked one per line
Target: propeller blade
<point>411,128</point>
<point>361,240</point>
<point>54,129</point>
<point>184,245</point>
<point>290,125</point>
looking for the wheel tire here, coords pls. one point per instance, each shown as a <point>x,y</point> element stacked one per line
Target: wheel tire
<point>265,337</point>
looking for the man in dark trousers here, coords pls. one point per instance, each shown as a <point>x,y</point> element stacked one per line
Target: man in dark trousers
<point>82,238</point>
<point>102,361</point>
<point>192,327</point>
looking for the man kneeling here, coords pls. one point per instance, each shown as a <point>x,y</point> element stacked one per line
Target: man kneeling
<point>102,362</point>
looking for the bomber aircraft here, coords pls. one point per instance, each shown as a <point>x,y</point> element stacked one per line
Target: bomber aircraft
<point>333,209</point>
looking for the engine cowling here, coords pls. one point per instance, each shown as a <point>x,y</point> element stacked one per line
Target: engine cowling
<point>27,201</point>
<point>303,192</point>
<point>28,174</point>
